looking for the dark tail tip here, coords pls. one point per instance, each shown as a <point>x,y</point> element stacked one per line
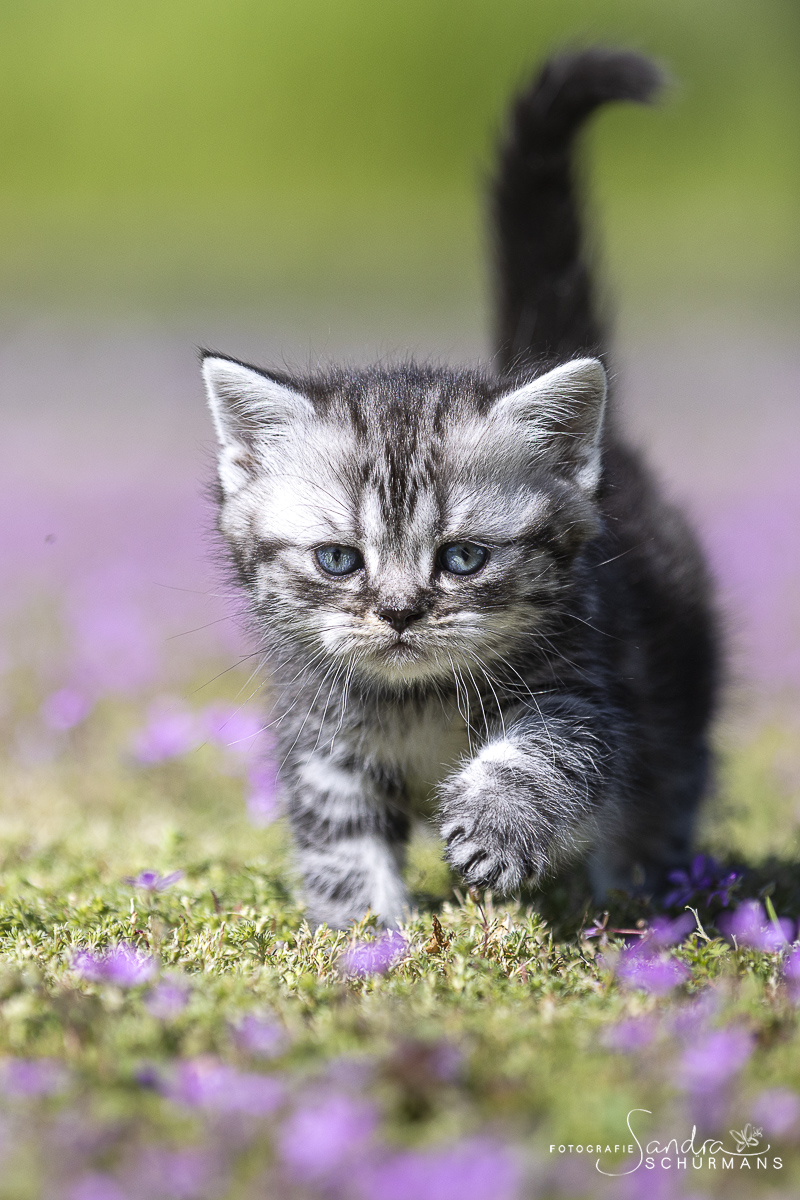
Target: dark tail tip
<point>570,87</point>
<point>545,302</point>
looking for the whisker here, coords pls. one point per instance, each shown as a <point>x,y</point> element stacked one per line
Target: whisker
<point>480,700</point>
<point>305,718</point>
<point>214,678</point>
<point>208,624</point>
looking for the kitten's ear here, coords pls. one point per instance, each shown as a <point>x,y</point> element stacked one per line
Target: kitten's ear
<point>561,417</point>
<point>249,411</point>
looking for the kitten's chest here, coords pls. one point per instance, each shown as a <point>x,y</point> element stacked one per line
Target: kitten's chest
<point>424,745</point>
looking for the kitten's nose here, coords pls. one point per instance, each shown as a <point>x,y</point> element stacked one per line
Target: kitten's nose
<point>400,618</point>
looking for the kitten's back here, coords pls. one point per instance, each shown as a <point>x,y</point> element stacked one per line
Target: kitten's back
<point>656,603</point>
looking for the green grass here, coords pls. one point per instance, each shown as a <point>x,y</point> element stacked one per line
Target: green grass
<point>523,997</point>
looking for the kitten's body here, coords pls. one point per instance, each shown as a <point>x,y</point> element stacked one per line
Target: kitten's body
<point>552,699</point>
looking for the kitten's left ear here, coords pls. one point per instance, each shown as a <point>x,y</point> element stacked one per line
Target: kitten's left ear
<point>560,415</point>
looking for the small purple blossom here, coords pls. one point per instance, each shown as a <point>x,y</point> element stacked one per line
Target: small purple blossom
<point>349,1073</point>
<point>664,932</point>
<point>446,1061</point>
<point>261,1036</point>
<point>235,729</point>
<point>169,733</point>
<point>376,957</point>
<point>750,926</point>
<point>688,1021</point>
<point>32,1077</point>
<point>320,1139</point>
<point>638,967</point>
<point>262,796</point>
<point>167,1000</point>
<point>151,881</point>
<point>631,1034</point>
<point>65,709</point>
<point>777,1111</point>
<point>96,1185</point>
<point>714,1059</point>
<point>478,1170</point>
<point>177,1174</point>
<point>208,1084</point>
<point>115,646</point>
<point>122,965</point>
<point>705,881</point>
<point>149,1076</point>
<point>791,973</point>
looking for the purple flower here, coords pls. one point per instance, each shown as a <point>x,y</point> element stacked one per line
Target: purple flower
<point>777,1111</point>
<point>318,1140</point>
<point>115,645</point>
<point>478,1170</point>
<point>705,881</point>
<point>208,1084</point>
<point>791,972</point>
<point>714,1059</point>
<point>639,967</point>
<point>235,729</point>
<point>446,1061</point>
<point>149,1076</point>
<point>348,1073</point>
<point>186,1174</point>
<point>262,796</point>
<point>32,1077</point>
<point>167,1000</point>
<point>260,1036</point>
<point>169,733</point>
<point>123,965</point>
<point>151,881</point>
<point>374,958</point>
<point>664,932</point>
<point>688,1021</point>
<point>95,1185</point>
<point>65,709</point>
<point>750,926</point>
<point>631,1034</point>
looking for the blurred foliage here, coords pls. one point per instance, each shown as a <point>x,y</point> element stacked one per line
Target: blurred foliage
<point>755,813</point>
<point>211,153</point>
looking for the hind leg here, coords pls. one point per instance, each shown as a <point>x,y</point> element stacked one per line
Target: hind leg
<point>656,830</point>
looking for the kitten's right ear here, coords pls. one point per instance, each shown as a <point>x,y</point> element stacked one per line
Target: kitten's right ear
<point>250,412</point>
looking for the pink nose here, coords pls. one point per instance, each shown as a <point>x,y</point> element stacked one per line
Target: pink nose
<point>400,618</point>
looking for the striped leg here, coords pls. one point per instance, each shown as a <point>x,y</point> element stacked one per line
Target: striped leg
<point>350,826</point>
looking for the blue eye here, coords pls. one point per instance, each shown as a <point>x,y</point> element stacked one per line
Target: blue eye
<point>462,558</point>
<point>339,560</point>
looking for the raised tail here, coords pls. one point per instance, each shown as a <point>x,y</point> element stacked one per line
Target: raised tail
<point>545,302</point>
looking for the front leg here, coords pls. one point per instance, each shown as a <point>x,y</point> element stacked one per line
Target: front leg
<point>350,828</point>
<point>530,798</point>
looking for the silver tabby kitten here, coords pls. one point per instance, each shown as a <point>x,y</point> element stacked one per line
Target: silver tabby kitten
<point>466,587</point>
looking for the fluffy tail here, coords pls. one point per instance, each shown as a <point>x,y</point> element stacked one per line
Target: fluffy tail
<point>545,305</point>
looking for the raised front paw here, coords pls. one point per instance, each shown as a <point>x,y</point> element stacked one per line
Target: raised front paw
<point>489,827</point>
<point>483,857</point>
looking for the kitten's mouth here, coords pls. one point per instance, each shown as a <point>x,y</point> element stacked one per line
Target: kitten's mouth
<point>400,648</point>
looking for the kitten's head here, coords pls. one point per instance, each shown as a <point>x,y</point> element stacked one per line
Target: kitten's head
<point>405,521</point>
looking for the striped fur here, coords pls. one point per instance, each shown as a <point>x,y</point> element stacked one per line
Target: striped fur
<point>556,701</point>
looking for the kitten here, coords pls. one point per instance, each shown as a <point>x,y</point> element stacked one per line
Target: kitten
<point>465,584</point>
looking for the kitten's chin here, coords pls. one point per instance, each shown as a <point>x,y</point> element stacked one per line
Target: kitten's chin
<point>401,665</point>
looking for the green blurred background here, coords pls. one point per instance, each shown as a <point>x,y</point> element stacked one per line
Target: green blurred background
<point>221,154</point>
